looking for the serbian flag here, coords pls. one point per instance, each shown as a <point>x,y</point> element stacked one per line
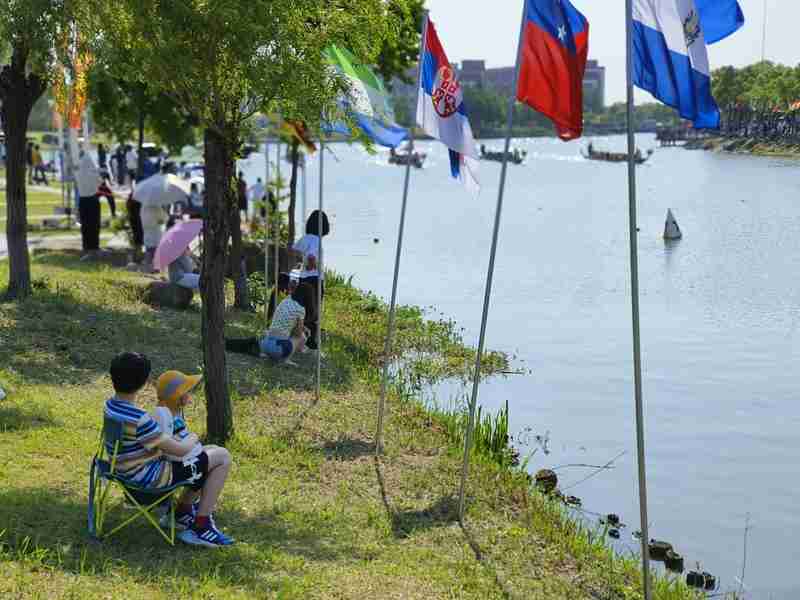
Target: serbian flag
<point>441,111</point>
<point>555,46</point>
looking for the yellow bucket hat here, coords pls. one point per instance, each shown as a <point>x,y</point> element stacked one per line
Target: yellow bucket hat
<point>173,385</point>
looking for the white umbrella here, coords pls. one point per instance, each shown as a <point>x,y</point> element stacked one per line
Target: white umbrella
<point>161,190</point>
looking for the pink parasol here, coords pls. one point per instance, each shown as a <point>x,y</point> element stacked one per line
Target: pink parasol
<point>175,241</point>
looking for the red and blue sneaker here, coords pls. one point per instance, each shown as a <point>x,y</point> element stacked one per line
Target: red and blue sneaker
<point>208,536</point>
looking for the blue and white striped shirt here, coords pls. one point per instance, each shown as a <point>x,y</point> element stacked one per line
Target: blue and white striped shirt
<point>138,458</point>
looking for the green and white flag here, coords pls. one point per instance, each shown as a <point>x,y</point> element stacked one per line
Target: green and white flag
<point>368,101</point>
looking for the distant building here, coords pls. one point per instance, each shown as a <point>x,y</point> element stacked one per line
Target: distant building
<point>473,73</point>
<point>594,83</point>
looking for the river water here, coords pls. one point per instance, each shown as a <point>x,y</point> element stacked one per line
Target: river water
<point>720,312</point>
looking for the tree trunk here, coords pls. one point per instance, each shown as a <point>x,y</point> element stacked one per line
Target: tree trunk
<point>18,93</point>
<point>219,177</point>
<point>241,299</point>
<point>293,190</point>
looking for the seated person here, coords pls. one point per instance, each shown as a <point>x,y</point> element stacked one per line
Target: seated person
<point>286,285</point>
<point>174,394</point>
<point>141,458</point>
<point>307,249</point>
<point>181,271</point>
<point>286,334</point>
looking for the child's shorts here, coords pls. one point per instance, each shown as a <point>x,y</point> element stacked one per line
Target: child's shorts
<point>276,348</point>
<point>193,471</point>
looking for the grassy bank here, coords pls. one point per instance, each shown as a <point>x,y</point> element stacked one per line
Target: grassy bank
<point>314,514</point>
<point>751,146</point>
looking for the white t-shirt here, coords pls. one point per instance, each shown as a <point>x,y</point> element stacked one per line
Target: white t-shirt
<point>163,416</point>
<point>287,315</point>
<point>131,160</point>
<point>257,192</point>
<point>308,245</point>
<point>88,177</point>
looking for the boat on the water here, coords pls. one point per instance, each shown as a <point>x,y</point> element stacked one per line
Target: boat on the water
<point>417,159</point>
<point>615,157</point>
<point>515,156</point>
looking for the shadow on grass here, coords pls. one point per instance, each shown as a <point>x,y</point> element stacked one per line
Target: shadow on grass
<point>347,449</point>
<point>69,330</point>
<point>47,526</point>
<point>13,418</point>
<point>57,338</point>
<point>404,523</point>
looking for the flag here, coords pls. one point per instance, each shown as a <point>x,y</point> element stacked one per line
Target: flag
<point>671,58</point>
<point>299,131</point>
<point>719,18</point>
<point>367,103</point>
<point>555,46</point>
<point>441,111</point>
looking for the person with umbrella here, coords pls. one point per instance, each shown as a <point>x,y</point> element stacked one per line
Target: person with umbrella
<point>173,252</point>
<point>154,194</point>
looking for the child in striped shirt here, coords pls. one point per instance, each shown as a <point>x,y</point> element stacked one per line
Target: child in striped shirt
<point>144,451</point>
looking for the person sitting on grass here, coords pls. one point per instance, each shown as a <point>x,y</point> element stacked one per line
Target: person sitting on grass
<point>286,334</point>
<point>182,271</point>
<point>141,458</point>
<point>286,285</point>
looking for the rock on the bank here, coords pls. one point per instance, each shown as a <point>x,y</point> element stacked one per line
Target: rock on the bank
<point>168,295</point>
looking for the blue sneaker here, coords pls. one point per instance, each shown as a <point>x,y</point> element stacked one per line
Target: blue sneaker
<point>182,521</point>
<point>209,536</point>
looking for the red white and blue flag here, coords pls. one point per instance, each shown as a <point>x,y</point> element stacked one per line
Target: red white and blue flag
<point>441,111</point>
<point>555,46</point>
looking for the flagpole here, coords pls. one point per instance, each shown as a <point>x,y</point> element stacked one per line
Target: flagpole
<point>319,268</point>
<point>489,276</point>
<point>387,348</point>
<point>764,35</point>
<point>277,221</point>
<point>304,195</point>
<point>637,353</point>
<point>266,234</point>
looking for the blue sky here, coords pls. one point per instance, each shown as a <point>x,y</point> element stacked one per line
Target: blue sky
<point>480,29</point>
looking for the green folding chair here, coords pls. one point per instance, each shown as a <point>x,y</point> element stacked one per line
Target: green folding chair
<point>103,476</point>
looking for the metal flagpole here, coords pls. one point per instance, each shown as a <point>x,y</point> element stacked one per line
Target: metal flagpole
<point>637,353</point>
<point>277,221</point>
<point>320,267</point>
<point>387,348</point>
<point>764,35</point>
<point>266,234</point>
<point>482,339</point>
<point>304,193</point>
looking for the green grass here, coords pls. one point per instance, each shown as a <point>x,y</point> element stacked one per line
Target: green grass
<point>314,514</point>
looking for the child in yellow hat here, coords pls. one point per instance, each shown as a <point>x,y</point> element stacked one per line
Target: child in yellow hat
<point>174,394</point>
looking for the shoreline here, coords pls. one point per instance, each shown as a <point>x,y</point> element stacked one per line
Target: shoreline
<point>308,462</point>
<point>749,146</point>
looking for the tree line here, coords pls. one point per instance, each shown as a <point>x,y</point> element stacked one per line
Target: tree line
<point>487,108</point>
<point>760,100</point>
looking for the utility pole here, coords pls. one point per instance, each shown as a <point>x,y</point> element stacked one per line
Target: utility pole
<point>764,35</point>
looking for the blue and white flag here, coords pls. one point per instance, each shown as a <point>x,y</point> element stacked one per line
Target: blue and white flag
<point>670,55</point>
<point>719,18</point>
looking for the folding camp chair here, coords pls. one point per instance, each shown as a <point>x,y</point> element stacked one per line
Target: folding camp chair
<point>102,476</point>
